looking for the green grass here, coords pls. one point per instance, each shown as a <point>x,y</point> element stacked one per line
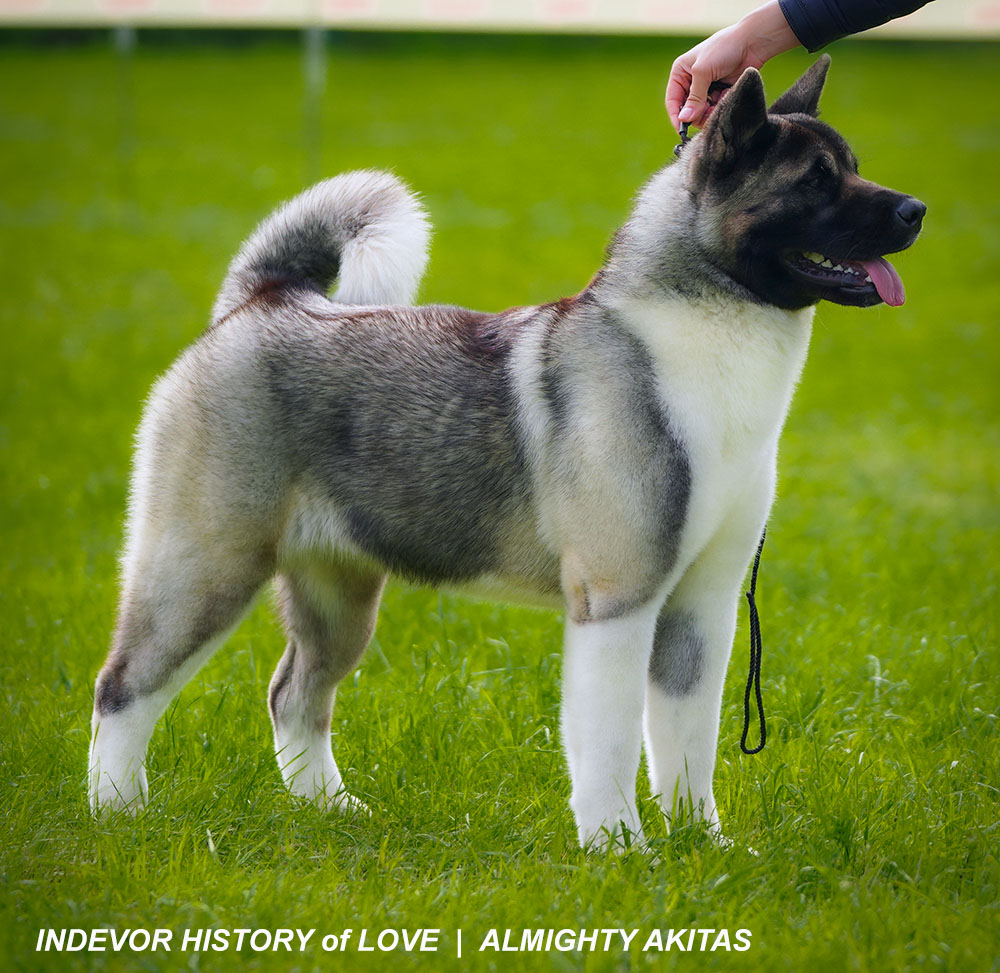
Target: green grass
<point>874,808</point>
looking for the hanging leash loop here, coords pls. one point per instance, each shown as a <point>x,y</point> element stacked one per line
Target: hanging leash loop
<point>756,647</point>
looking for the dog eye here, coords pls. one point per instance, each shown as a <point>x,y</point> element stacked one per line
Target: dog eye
<point>819,176</point>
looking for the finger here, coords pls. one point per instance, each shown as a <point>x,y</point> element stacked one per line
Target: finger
<point>696,105</point>
<point>678,86</point>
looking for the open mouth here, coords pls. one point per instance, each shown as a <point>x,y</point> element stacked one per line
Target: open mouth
<point>853,279</point>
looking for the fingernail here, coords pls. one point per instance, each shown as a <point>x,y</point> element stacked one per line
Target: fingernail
<point>686,114</point>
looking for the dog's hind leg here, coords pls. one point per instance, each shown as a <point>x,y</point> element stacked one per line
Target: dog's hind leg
<point>329,611</point>
<point>180,596</point>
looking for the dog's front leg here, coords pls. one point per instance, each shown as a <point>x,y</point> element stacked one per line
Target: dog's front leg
<point>691,649</point>
<point>604,682</point>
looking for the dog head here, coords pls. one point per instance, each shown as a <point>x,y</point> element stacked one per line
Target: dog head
<point>781,206</point>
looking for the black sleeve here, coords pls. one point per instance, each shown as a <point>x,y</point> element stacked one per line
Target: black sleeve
<point>817,22</point>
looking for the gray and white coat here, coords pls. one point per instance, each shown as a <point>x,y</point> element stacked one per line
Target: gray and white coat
<point>613,453</point>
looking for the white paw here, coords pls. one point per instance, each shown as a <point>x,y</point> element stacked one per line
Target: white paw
<point>618,837</point>
<point>125,790</point>
<point>116,774</point>
<point>345,803</point>
<point>599,830</point>
<point>334,799</point>
<point>324,788</point>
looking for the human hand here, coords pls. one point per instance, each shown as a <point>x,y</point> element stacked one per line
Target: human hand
<point>722,58</point>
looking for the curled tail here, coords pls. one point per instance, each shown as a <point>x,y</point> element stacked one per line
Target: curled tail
<point>364,229</point>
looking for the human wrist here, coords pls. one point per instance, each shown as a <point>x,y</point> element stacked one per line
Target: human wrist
<point>766,33</point>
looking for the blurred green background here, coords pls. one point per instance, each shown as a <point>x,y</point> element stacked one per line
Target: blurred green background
<point>127,183</point>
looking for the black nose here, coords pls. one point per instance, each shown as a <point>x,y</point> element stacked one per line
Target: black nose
<point>911,211</point>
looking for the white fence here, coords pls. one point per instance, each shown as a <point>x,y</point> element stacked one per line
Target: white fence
<point>943,18</point>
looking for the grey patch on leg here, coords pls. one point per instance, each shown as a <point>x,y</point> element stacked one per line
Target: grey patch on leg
<point>111,695</point>
<point>282,677</point>
<point>155,637</point>
<point>678,653</point>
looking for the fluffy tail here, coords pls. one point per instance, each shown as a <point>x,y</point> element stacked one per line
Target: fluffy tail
<point>364,229</point>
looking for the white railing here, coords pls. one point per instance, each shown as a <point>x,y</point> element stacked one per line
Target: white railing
<point>943,18</point>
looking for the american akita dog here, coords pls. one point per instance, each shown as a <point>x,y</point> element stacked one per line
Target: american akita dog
<point>613,453</point>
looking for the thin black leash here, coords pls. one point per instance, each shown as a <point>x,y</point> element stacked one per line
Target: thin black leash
<point>685,138</point>
<point>753,679</point>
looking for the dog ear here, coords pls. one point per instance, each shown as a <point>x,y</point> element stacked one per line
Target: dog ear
<point>803,96</point>
<point>732,127</point>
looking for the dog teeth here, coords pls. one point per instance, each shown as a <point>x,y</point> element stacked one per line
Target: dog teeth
<point>827,264</point>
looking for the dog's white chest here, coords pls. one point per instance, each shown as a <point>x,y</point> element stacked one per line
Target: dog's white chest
<point>726,377</point>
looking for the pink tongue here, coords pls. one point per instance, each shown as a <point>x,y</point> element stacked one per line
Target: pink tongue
<point>886,280</point>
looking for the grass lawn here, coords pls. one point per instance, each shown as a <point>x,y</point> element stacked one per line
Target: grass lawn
<point>874,808</point>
